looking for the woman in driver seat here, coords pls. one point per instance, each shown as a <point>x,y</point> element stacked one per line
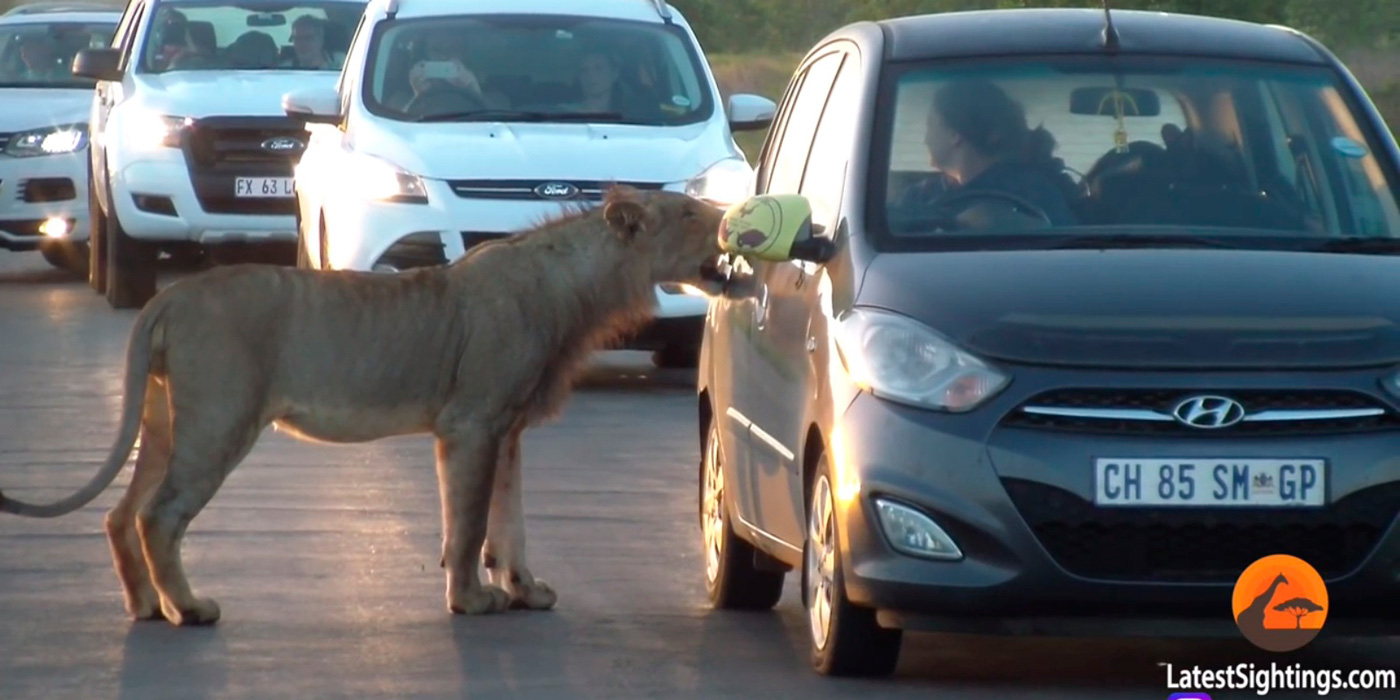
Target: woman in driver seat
<point>978,140</point>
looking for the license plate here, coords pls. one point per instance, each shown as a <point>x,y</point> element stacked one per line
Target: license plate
<point>1215,483</point>
<point>263,187</point>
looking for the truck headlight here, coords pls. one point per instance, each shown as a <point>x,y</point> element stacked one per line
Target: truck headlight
<point>897,358</point>
<point>723,184</point>
<point>48,141</point>
<point>148,130</point>
<point>378,179</point>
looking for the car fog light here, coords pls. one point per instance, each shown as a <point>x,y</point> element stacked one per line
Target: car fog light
<point>54,228</point>
<point>914,533</point>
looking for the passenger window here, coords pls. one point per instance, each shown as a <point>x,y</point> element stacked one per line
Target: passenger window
<point>825,172</point>
<point>791,156</point>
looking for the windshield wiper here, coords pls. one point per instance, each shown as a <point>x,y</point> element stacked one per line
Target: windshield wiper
<point>491,115</point>
<point>1363,245</point>
<point>1132,240</point>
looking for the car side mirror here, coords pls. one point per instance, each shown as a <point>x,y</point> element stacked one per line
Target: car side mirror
<point>98,64</point>
<point>775,227</point>
<point>750,112</point>
<point>313,105</point>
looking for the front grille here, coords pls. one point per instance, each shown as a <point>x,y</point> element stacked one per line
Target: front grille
<point>218,150</point>
<point>583,190</point>
<point>1200,545</point>
<point>47,189</point>
<point>1149,412</point>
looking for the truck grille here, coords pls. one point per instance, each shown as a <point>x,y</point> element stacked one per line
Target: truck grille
<point>1200,545</point>
<point>220,149</point>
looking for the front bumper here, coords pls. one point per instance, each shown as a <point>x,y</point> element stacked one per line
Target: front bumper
<point>1039,557</point>
<point>35,190</point>
<point>368,235</point>
<point>155,200</point>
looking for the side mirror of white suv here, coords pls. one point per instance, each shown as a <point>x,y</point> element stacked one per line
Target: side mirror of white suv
<point>314,105</point>
<point>750,112</point>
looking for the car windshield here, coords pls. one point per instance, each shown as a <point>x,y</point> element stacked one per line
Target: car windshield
<point>1044,153</point>
<point>535,68</point>
<point>200,35</point>
<point>40,54</point>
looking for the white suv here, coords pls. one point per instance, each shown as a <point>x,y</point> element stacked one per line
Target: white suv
<point>458,122</point>
<point>43,129</point>
<point>190,148</point>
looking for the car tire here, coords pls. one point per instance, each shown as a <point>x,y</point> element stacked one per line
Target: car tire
<point>67,255</point>
<point>323,244</point>
<point>845,639</point>
<point>303,257</point>
<point>131,267</point>
<point>97,251</point>
<point>732,581</point>
<point>676,357</point>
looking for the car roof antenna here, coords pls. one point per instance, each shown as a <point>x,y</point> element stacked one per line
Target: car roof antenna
<point>1110,33</point>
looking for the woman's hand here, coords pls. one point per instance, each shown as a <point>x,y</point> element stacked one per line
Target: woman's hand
<point>461,78</point>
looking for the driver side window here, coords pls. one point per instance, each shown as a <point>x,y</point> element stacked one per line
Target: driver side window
<point>790,157</point>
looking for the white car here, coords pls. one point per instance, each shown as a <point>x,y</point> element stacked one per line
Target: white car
<point>190,150</point>
<point>458,122</point>
<point>43,129</point>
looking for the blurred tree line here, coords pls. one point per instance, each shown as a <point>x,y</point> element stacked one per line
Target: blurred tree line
<point>758,26</point>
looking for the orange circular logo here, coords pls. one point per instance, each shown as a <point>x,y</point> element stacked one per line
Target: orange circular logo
<point>1280,603</point>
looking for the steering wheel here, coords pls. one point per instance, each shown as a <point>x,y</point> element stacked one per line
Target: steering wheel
<point>444,100</point>
<point>952,205</point>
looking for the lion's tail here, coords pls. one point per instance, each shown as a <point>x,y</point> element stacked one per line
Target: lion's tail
<point>140,348</point>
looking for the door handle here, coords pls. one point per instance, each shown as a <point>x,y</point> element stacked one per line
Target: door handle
<point>760,308</point>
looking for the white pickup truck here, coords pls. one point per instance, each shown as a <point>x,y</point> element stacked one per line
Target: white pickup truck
<point>191,150</point>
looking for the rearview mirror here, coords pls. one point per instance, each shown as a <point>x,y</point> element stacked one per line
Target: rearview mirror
<point>750,112</point>
<point>775,227</point>
<point>1100,101</point>
<point>98,64</point>
<point>313,105</point>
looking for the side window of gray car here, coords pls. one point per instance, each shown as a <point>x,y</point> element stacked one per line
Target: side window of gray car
<point>784,175</point>
<point>824,176</point>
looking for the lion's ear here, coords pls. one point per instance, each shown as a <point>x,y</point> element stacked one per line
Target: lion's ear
<point>625,217</point>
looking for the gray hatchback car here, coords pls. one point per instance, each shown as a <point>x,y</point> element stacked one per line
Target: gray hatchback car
<point>1056,321</point>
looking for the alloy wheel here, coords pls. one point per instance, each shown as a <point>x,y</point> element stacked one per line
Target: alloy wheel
<point>819,563</point>
<point>713,510</point>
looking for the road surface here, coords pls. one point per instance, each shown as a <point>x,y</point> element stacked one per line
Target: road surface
<point>325,562</point>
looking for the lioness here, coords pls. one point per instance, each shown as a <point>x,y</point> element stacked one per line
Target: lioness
<point>472,352</point>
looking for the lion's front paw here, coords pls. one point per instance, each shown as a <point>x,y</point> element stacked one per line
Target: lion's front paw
<point>200,611</point>
<point>482,601</point>
<point>534,596</point>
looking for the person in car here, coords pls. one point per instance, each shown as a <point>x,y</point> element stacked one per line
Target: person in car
<point>439,47</point>
<point>253,49</point>
<point>39,55</point>
<point>601,90</point>
<point>978,140</point>
<point>309,46</point>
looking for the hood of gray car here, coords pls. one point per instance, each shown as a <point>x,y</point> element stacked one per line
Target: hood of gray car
<point>1188,309</point>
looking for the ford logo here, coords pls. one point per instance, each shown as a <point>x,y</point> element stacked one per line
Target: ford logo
<point>282,144</point>
<point>556,190</point>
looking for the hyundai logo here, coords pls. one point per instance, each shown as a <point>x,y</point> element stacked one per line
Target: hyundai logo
<point>556,190</point>
<point>1208,412</point>
<point>282,144</point>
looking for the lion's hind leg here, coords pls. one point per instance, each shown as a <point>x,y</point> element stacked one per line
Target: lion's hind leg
<point>504,555</point>
<point>152,459</point>
<point>212,434</point>
<point>466,463</point>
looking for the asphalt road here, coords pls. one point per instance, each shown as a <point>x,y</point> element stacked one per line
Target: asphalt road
<point>325,562</point>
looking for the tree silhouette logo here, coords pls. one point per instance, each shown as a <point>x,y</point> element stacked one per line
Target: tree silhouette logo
<point>1280,603</point>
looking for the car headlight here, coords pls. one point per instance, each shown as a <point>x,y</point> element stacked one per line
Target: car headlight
<point>897,358</point>
<point>723,184</point>
<point>52,140</point>
<point>374,178</point>
<point>146,130</point>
